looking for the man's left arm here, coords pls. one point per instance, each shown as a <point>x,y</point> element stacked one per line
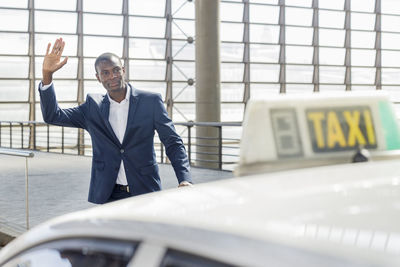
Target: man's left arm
<point>173,143</point>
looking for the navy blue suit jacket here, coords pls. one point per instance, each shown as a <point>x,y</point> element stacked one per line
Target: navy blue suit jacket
<point>146,114</point>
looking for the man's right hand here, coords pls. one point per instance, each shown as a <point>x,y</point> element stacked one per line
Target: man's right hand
<point>51,62</point>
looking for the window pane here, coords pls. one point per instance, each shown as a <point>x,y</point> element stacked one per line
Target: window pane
<point>332,88</point>
<point>329,4</point>
<point>363,75</point>
<point>14,90</point>
<point>89,71</point>
<point>184,50</point>
<point>103,6</point>
<point>231,12</point>
<point>390,23</point>
<point>147,48</point>
<point>232,72</point>
<point>15,112</point>
<point>14,67</point>
<point>299,88</point>
<point>305,3</point>
<point>391,7</point>
<point>61,22</point>
<point>147,70</point>
<point>264,73</point>
<point>362,21</point>
<point>183,112</point>
<point>332,74</point>
<point>390,40</point>
<point>231,52</point>
<point>232,112</point>
<point>182,71</point>
<point>183,92</point>
<point>298,16</point>
<point>363,57</point>
<point>14,3</point>
<point>390,58</point>
<point>14,20</point>
<point>264,1</point>
<point>94,46</point>
<point>232,91</point>
<point>147,8</point>
<point>263,91</point>
<point>297,35</point>
<point>390,76</point>
<point>264,14</point>
<point>94,24</point>
<point>41,41</point>
<point>14,43</point>
<point>331,56</point>
<point>183,29</point>
<point>56,5</point>
<point>264,53</point>
<point>146,27</point>
<point>264,33</point>
<point>331,37</point>
<point>155,87</point>
<point>93,87</point>
<point>232,32</point>
<point>362,39</point>
<point>299,74</point>
<point>298,54</point>
<point>70,70</point>
<point>363,5</point>
<point>182,9</point>
<point>331,19</point>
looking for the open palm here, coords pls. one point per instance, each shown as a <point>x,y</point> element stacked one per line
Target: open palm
<point>52,60</point>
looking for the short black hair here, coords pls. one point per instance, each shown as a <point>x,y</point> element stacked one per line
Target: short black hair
<point>105,57</point>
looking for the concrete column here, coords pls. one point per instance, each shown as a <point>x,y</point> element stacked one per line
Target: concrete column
<point>208,99</point>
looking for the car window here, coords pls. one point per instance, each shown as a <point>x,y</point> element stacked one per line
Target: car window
<point>76,253</point>
<point>174,258</point>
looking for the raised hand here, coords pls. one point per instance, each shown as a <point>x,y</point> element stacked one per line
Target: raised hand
<point>52,61</point>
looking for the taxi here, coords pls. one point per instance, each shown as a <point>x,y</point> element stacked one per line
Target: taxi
<point>298,200</point>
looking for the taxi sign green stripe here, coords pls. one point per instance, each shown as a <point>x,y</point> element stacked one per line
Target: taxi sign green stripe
<point>390,127</point>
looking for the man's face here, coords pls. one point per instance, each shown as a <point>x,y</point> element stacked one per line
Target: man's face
<point>111,74</point>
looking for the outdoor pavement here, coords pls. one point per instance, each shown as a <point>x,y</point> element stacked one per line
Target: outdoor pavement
<point>58,184</point>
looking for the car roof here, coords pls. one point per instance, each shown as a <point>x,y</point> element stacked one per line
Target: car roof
<point>336,210</point>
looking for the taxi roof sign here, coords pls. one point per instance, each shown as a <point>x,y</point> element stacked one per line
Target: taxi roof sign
<point>293,131</point>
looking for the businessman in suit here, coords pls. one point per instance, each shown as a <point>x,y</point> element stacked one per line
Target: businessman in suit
<point>121,124</point>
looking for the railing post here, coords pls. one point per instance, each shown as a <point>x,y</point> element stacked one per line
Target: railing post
<point>10,134</point>
<point>26,193</point>
<point>48,137</point>
<point>62,140</point>
<point>0,133</point>
<point>220,147</point>
<point>190,143</point>
<point>22,135</point>
<point>162,152</point>
<point>34,136</point>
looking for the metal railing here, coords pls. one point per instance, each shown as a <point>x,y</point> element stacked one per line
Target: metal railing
<point>26,155</point>
<point>220,152</point>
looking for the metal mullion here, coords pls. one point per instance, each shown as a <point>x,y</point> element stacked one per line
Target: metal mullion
<point>282,43</point>
<point>125,34</point>
<point>168,57</point>
<point>348,45</point>
<point>315,24</point>
<point>246,51</point>
<point>31,75</point>
<point>80,74</point>
<point>378,45</point>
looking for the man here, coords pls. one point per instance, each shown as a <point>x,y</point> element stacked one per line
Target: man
<point>121,124</point>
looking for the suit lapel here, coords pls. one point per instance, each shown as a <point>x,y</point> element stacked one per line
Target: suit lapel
<point>105,112</point>
<point>133,101</point>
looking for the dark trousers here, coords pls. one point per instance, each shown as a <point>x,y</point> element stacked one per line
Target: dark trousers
<point>118,194</point>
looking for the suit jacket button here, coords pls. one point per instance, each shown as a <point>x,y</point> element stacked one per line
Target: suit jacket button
<point>122,150</point>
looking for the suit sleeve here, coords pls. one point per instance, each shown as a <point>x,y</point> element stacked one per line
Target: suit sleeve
<point>173,143</point>
<point>53,114</point>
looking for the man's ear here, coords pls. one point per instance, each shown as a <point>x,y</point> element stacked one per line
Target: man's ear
<point>98,78</point>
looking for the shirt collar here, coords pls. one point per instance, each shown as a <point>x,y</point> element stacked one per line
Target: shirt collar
<point>128,93</point>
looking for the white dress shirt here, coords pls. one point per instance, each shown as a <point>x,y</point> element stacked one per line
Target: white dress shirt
<point>118,118</point>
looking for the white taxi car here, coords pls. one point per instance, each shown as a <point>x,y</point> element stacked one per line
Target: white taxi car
<point>346,214</point>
